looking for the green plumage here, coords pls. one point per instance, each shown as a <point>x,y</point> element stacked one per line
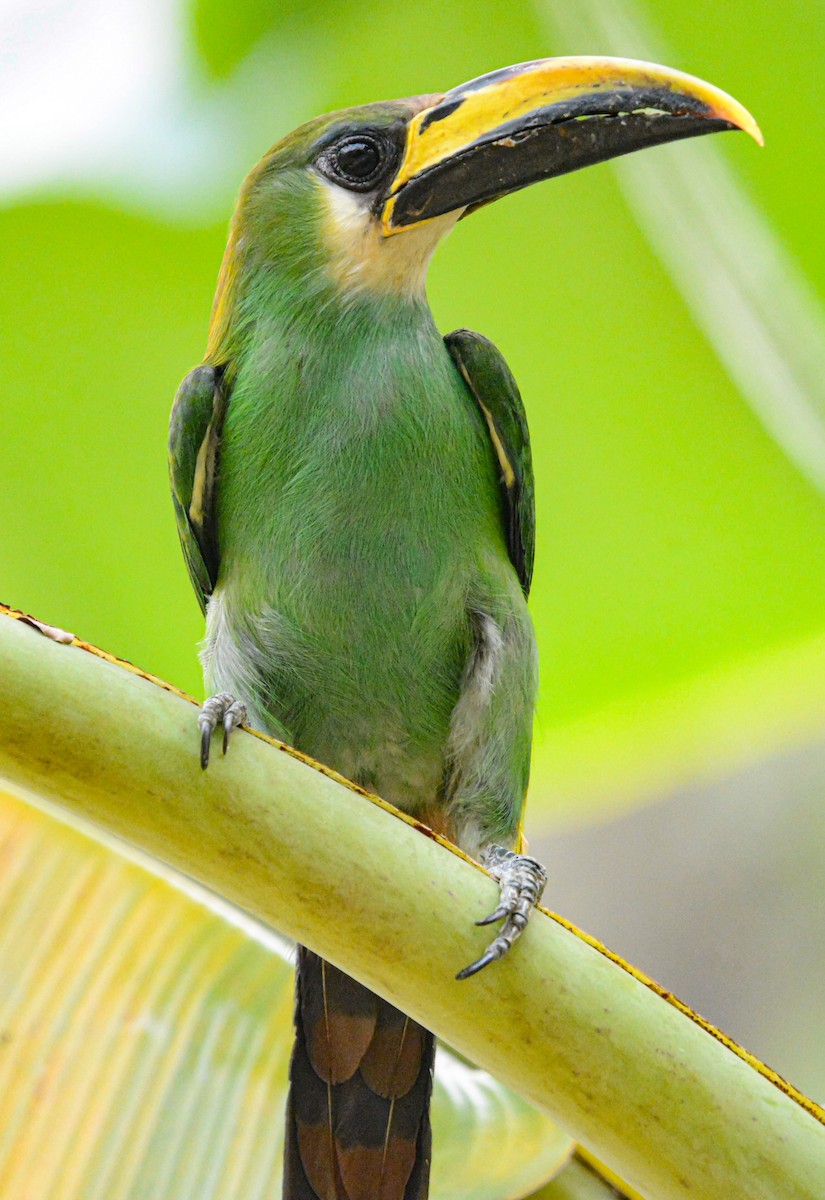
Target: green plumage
<point>496,392</point>
<point>355,504</point>
<point>357,531</point>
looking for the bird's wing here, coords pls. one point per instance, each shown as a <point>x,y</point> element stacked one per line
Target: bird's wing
<point>496,393</point>
<point>194,447</point>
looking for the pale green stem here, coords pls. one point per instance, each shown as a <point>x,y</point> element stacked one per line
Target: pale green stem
<point>652,1093</point>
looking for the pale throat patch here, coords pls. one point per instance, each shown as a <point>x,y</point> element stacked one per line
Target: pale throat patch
<point>362,258</point>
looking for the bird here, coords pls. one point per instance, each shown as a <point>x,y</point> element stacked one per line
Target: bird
<point>354,495</point>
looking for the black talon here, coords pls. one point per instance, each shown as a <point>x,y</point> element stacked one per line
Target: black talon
<point>487,957</point>
<point>206,737</point>
<point>501,911</point>
<point>234,716</point>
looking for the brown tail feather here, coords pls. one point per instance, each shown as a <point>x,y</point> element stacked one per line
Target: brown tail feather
<point>357,1121</point>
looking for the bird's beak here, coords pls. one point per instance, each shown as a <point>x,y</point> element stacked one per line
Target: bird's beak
<point>516,126</point>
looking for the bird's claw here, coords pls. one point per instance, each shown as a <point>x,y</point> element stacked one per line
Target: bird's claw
<point>501,911</point>
<point>522,881</point>
<point>222,709</point>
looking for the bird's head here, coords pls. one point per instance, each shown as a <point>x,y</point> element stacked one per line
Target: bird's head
<point>363,196</point>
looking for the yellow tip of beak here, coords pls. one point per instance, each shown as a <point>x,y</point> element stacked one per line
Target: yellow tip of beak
<point>749,125</point>
<point>720,104</point>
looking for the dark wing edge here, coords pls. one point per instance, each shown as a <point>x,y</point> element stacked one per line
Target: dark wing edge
<point>195,427</point>
<point>496,393</point>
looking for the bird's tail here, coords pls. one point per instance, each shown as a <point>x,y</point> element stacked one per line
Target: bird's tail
<point>357,1119</point>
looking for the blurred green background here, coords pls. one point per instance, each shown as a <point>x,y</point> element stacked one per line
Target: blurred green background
<point>664,320</point>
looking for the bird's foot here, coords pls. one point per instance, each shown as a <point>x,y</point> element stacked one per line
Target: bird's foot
<point>522,881</point>
<point>222,709</point>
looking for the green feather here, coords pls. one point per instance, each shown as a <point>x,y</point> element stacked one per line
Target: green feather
<point>367,560</point>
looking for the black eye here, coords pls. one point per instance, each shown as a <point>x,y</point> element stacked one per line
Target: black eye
<point>358,160</point>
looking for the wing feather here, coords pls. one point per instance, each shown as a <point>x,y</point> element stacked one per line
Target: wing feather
<point>496,393</point>
<point>195,428</point>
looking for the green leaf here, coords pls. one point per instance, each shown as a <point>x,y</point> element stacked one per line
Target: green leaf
<point>743,288</point>
<point>224,34</point>
<point>580,1181</point>
<point>146,1030</point>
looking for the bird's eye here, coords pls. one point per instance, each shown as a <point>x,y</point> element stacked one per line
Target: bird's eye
<point>359,158</point>
<point>357,161</point>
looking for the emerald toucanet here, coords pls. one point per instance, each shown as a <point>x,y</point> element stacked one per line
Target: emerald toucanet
<point>354,496</point>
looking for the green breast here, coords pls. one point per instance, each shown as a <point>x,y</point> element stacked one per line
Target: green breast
<point>359,523</point>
